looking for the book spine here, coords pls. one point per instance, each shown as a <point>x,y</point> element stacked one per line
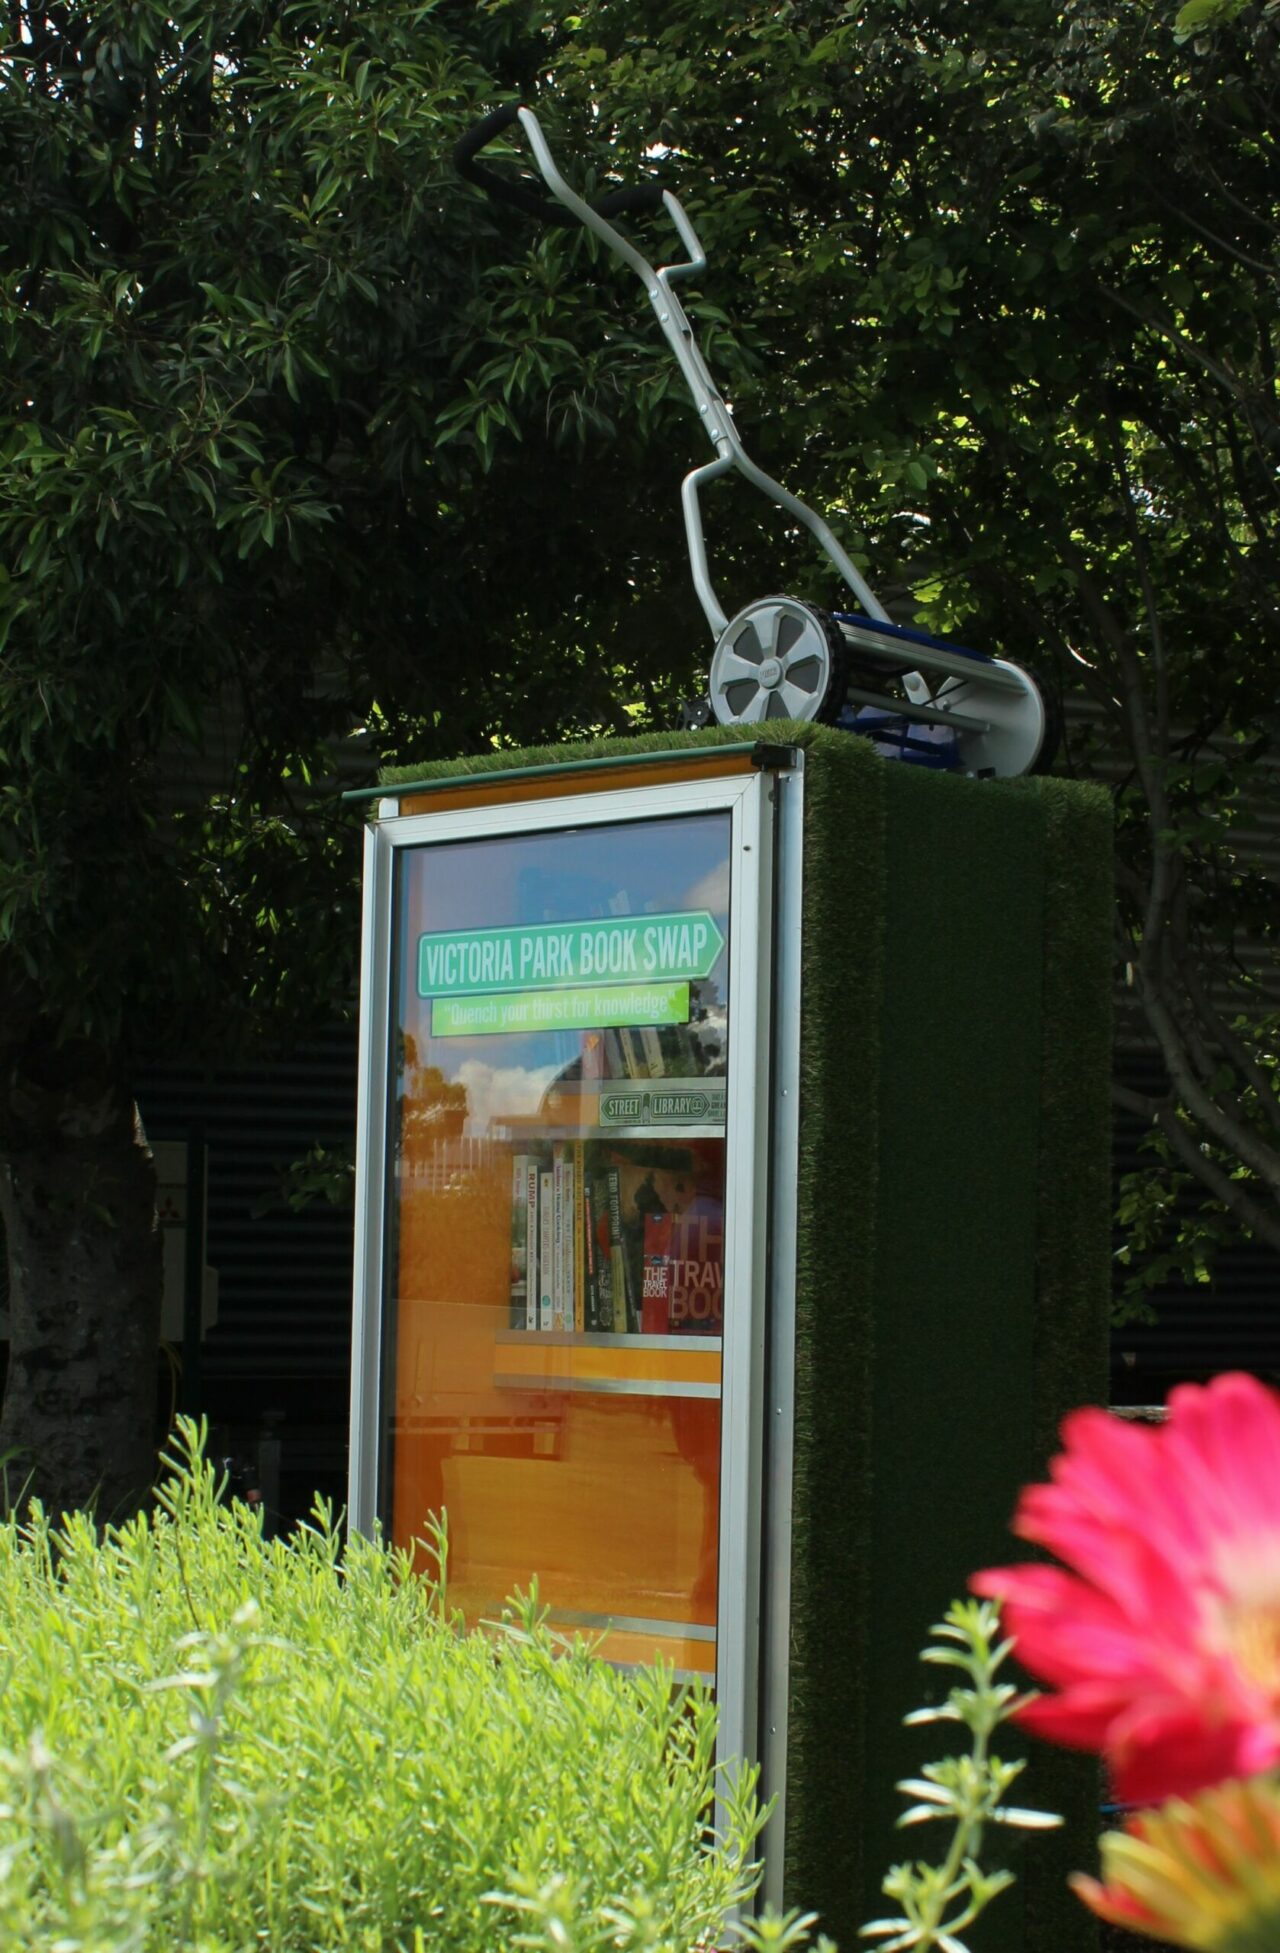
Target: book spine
<point>604,1263</point>
<point>579,1240</point>
<point>593,1056</point>
<point>567,1264</point>
<point>519,1240</point>
<point>615,1063</point>
<point>635,1063</point>
<point>652,1048</point>
<point>590,1274</point>
<point>633,1274</point>
<point>617,1254</point>
<point>546,1239</point>
<point>557,1236</point>
<point>655,1291</point>
<point>533,1296</point>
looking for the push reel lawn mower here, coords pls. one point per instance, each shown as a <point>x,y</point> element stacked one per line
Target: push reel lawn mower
<point>920,698</point>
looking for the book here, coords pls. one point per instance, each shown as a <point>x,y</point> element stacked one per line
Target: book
<point>695,1267</point>
<point>546,1237</point>
<point>652,1048</point>
<point>634,1062</point>
<point>653,1182</point>
<point>601,1315</point>
<point>532,1292</point>
<point>655,1051</point>
<point>655,1287</point>
<point>557,1235</point>
<point>579,1238</point>
<point>564,1255</point>
<point>594,1059</point>
<point>568,1240</point>
<point>590,1284</point>
<point>617,1253</point>
<point>519,1241</point>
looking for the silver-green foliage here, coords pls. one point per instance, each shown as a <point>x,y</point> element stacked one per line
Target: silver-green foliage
<point>215,1741</point>
<point>938,1902</point>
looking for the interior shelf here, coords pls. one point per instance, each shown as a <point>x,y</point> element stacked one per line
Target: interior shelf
<point>672,1135</point>
<point>605,1365</point>
<point>604,1339</point>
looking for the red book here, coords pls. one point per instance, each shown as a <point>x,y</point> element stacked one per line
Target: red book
<point>655,1289</point>
<point>695,1269</point>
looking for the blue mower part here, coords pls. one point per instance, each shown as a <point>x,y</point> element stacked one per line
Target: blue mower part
<point>951,708</point>
<point>894,737</point>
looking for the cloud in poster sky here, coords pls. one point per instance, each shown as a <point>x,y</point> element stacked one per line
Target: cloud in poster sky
<point>496,1093</point>
<point>711,892</point>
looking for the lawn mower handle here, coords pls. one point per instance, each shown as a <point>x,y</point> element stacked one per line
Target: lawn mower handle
<point>713,409</point>
<point>504,189</point>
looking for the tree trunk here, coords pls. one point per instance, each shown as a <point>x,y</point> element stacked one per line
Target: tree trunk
<point>77,1200</point>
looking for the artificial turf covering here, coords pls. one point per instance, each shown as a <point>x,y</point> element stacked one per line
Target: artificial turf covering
<point>953,1261</point>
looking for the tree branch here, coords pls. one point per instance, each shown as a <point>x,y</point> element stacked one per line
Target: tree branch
<point>1232,1046</point>
<point>1158,660</point>
<point>1223,244</point>
<point>1164,329</point>
<point>1230,1132</point>
<point>1137,1102</point>
<point>1244,489</point>
<point>1264,1225</point>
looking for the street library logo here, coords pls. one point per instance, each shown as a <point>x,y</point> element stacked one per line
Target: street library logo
<point>665,1104</point>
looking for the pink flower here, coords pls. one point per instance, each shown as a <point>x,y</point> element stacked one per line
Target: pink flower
<point>1164,1642</point>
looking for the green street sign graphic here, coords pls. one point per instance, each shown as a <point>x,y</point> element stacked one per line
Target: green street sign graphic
<point>596,1008</point>
<point>664,1102</point>
<point>553,955</point>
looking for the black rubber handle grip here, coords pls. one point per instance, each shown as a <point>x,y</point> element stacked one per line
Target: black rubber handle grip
<point>620,203</point>
<point>536,203</point>
<point>483,132</point>
<point>504,189</point>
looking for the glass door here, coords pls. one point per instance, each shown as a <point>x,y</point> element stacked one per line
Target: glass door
<point>570,1165</point>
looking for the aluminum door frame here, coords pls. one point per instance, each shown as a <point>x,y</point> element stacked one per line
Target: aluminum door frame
<point>780,1316</point>
<point>750,801</point>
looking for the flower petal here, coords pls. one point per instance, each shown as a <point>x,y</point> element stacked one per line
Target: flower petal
<point>1161,1630</point>
<point>1203,1874</point>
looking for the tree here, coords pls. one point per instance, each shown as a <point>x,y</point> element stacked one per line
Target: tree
<point>240,296</point>
<point>1013,317</point>
<point>303,437</point>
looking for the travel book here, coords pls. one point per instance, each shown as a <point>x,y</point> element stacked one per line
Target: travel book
<point>655,1287</point>
<point>683,1273</point>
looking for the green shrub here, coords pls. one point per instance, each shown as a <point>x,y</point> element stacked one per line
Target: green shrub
<point>214,1741</point>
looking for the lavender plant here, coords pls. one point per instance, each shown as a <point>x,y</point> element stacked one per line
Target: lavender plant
<point>214,1740</point>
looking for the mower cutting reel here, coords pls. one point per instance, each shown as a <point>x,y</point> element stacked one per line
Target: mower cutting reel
<point>780,658</point>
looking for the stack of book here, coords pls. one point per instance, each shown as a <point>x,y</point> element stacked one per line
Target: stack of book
<point>607,1242</point>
